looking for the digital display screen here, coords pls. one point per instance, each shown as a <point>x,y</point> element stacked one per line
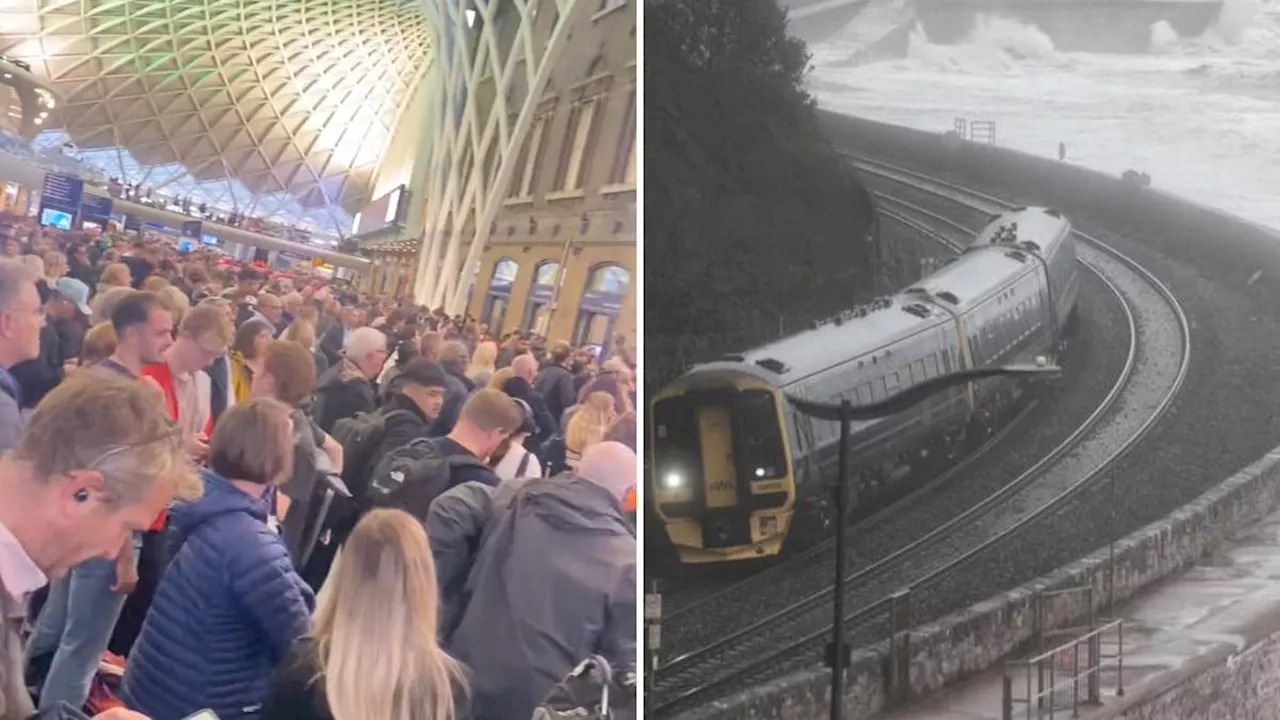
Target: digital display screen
<point>55,218</point>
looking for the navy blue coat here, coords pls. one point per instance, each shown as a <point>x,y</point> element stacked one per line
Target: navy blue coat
<point>228,608</point>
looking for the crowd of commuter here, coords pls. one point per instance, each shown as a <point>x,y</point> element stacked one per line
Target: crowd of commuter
<point>269,496</point>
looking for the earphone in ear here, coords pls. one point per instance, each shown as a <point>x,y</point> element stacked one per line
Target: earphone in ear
<point>81,496</point>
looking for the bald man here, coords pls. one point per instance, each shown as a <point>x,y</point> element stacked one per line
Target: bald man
<point>558,558</point>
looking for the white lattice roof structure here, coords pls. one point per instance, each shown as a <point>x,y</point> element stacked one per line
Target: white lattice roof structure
<point>276,108</point>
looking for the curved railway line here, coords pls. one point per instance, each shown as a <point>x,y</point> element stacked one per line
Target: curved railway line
<point>794,636</point>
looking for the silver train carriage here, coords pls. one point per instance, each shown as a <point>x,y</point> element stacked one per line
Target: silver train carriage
<point>734,469</point>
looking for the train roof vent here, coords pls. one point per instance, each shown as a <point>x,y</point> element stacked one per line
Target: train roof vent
<point>948,296</point>
<point>1055,212</point>
<point>917,291</point>
<point>859,311</point>
<point>1031,246</point>
<point>1016,255</point>
<point>733,357</point>
<point>921,311</point>
<point>1020,208</point>
<point>776,367</point>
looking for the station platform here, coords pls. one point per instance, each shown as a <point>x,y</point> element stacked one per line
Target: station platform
<point>1208,617</point>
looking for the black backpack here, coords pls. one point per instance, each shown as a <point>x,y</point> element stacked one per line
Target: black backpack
<point>360,437</point>
<point>410,477</point>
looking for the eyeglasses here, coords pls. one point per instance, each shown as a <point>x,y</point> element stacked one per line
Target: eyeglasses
<point>172,433</point>
<point>38,311</point>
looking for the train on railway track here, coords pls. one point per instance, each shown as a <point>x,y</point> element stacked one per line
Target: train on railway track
<point>736,473</point>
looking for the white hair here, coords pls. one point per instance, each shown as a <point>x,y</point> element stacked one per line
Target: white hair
<point>365,340</point>
<point>14,274</point>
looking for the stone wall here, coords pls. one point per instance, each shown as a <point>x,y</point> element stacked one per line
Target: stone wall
<point>1220,684</point>
<point>969,641</point>
<point>972,640</point>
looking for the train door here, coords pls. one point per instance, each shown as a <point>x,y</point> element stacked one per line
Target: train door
<point>720,475</point>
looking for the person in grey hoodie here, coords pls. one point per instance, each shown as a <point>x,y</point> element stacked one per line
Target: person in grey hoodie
<point>553,579</point>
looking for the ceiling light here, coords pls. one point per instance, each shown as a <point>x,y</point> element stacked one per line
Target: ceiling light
<point>39,121</point>
<point>470,13</point>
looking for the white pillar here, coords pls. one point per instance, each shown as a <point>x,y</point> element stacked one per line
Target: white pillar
<point>463,198</point>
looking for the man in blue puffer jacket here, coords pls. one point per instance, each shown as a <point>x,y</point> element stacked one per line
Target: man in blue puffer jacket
<point>227,610</point>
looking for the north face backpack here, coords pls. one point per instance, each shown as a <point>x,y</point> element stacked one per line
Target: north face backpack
<point>411,477</point>
<point>360,437</point>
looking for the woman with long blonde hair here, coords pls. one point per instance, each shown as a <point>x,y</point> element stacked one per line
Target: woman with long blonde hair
<point>588,426</point>
<point>372,653</point>
<point>482,363</point>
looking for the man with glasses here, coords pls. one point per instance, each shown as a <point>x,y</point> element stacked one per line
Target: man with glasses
<point>21,320</point>
<point>99,459</point>
<point>202,338</point>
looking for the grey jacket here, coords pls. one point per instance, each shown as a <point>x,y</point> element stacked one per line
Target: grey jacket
<point>10,422</point>
<point>553,581</point>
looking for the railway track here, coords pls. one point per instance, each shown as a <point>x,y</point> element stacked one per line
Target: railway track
<point>794,636</point>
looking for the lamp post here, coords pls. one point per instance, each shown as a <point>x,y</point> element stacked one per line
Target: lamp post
<point>845,414</point>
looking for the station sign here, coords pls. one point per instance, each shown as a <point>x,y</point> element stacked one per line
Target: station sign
<point>95,209</point>
<point>193,229</point>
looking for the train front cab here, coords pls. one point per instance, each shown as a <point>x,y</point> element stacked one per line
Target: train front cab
<point>720,467</point>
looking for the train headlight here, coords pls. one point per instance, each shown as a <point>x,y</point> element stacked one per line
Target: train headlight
<point>760,472</point>
<point>673,481</point>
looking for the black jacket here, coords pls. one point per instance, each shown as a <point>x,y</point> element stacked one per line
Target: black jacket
<point>457,389</point>
<point>342,393</point>
<point>401,427</point>
<point>296,692</point>
<point>331,343</point>
<point>60,341</point>
<point>520,389</point>
<point>555,384</point>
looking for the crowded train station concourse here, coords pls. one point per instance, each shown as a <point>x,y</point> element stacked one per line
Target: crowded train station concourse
<point>317,359</point>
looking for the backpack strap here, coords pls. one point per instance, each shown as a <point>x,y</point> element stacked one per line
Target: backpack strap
<point>524,463</point>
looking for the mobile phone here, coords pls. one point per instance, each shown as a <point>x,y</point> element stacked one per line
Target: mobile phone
<point>205,714</point>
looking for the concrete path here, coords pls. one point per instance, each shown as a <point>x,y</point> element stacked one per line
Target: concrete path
<point>1172,631</point>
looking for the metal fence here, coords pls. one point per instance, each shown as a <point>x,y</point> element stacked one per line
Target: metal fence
<point>1068,674</point>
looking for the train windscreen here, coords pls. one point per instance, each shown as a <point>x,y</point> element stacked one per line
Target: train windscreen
<point>759,437</point>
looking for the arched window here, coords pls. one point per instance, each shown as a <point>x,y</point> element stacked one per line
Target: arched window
<point>546,273</point>
<point>504,272</point>
<point>601,303</point>
<point>498,297</point>
<point>610,278</point>
<point>537,308</point>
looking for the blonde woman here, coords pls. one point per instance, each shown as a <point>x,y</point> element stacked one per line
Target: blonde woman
<point>588,426</point>
<point>482,363</point>
<point>303,333</point>
<point>55,266</point>
<point>175,300</point>
<point>115,275</point>
<point>501,377</point>
<point>372,653</point>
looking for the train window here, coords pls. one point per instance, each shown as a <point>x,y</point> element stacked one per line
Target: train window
<point>892,383</point>
<point>677,448</point>
<point>880,388</point>
<point>757,436</point>
<point>920,374</point>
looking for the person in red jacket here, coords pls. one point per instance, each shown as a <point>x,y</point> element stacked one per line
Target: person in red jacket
<point>202,338</point>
